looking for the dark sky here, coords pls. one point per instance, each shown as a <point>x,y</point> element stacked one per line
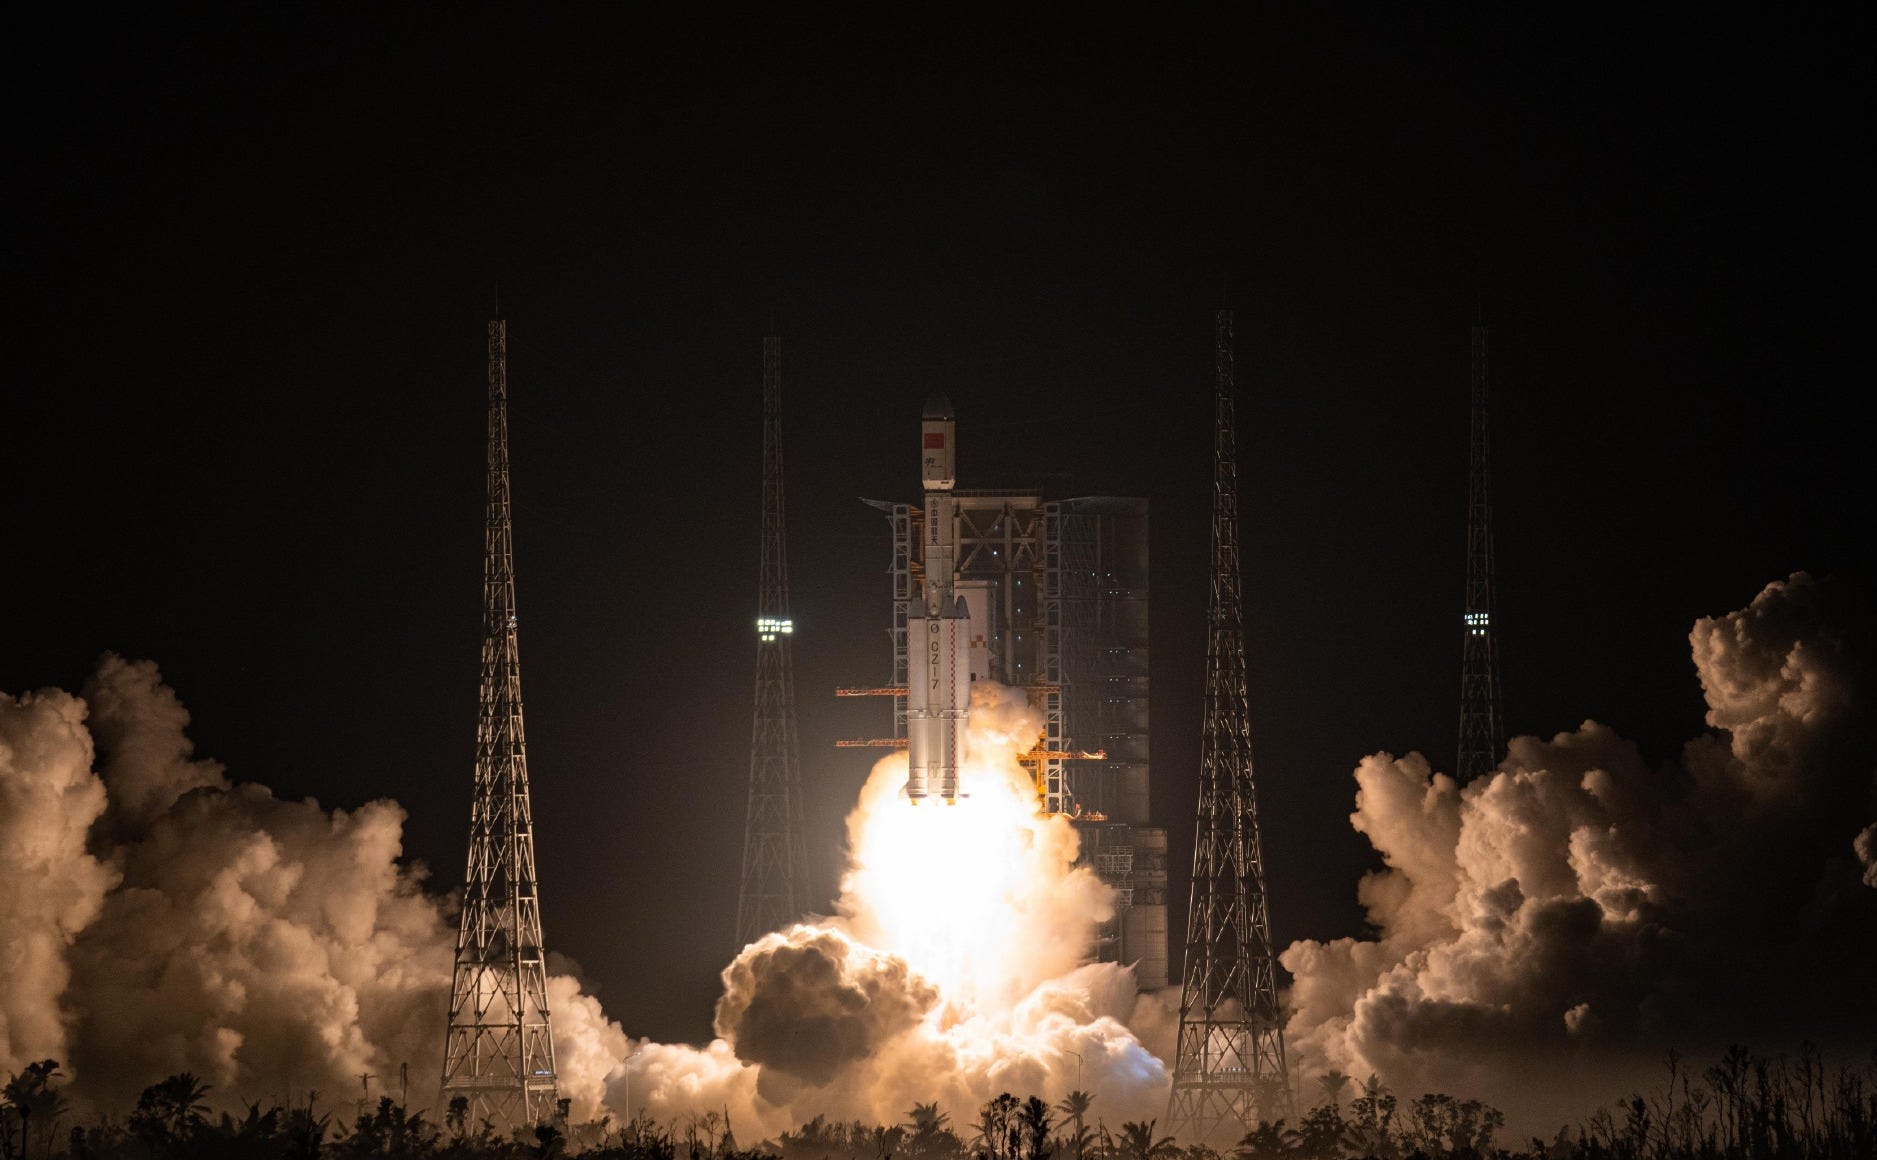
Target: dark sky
<point>249,259</point>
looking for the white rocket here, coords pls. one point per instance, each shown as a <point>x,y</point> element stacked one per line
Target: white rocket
<point>938,670</point>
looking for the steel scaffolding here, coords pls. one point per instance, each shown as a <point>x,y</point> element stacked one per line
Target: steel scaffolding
<point>1481,729</point>
<point>499,1054</point>
<point>775,857</point>
<point>1230,1069</point>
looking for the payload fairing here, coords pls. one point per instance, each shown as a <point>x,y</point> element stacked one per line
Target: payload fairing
<point>938,689</point>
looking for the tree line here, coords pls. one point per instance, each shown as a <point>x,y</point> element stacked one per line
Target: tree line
<point>1743,1107</point>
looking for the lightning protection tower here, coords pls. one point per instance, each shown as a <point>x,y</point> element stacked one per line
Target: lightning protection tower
<point>1481,729</point>
<point>775,859</point>
<point>1229,1070</point>
<point>500,1050</point>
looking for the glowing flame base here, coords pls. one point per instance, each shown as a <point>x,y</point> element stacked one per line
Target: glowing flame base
<point>956,967</point>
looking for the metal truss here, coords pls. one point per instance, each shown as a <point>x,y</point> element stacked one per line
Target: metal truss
<point>1481,729</point>
<point>775,858</point>
<point>499,1053</point>
<point>1229,1071</point>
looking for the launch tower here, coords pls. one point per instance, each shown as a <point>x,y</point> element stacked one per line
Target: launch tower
<point>1481,729</point>
<point>1055,603</point>
<point>1229,1070</point>
<point>499,1054</point>
<point>775,858</point>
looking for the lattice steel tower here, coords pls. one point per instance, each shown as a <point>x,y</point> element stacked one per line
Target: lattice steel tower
<point>1230,1068</point>
<point>500,1051</point>
<point>775,858</point>
<point>1481,730</point>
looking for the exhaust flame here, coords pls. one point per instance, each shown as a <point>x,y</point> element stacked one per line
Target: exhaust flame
<point>955,967</point>
<point>959,891</point>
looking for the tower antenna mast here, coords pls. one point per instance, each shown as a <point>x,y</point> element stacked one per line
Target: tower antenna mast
<point>499,1054</point>
<point>1230,1069</point>
<point>775,858</point>
<point>1481,728</point>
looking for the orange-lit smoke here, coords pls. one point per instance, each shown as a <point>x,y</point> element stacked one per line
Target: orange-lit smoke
<point>157,916</point>
<point>1545,934</point>
<point>954,968</point>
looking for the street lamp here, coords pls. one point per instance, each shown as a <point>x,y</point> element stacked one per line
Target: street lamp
<point>1078,1091</point>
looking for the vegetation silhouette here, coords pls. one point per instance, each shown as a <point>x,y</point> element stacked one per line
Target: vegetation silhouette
<point>1743,1107</point>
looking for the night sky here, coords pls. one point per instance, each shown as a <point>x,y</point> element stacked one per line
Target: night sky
<point>249,260</point>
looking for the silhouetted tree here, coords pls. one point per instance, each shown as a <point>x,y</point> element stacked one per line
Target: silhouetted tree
<point>930,1135</point>
<point>170,1114</point>
<point>1137,1142</point>
<point>1371,1122</point>
<point>999,1133</point>
<point>31,1101</point>
<point>1322,1134</point>
<point>550,1141</point>
<point>1033,1125</point>
<point>390,1130</point>
<point>1270,1139</point>
<point>641,1139</point>
<point>1075,1105</point>
<point>1461,1129</point>
<point>456,1118</point>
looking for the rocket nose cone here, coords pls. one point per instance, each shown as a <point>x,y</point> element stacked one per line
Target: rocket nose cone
<point>938,407</point>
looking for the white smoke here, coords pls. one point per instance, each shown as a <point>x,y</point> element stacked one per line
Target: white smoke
<point>51,889</point>
<point>956,968</point>
<point>157,917</point>
<point>1547,932</point>
<point>1571,915</point>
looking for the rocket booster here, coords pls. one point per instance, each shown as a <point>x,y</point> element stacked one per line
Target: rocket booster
<point>938,686</point>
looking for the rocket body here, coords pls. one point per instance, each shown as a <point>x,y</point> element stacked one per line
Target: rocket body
<point>938,686</point>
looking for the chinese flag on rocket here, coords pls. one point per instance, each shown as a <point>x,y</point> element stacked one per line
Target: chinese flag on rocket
<point>934,439</point>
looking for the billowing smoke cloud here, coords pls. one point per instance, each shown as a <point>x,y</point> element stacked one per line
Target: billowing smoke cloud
<point>155,918</point>
<point>955,968</point>
<point>808,1004</point>
<point>51,889</point>
<point>1545,934</point>
<point>1569,916</point>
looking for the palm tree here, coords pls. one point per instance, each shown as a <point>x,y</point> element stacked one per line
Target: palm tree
<point>1268,1140</point>
<point>884,1141</point>
<point>1333,1084</point>
<point>1137,1142</point>
<point>1075,1105</point>
<point>169,1113</point>
<point>1271,1096</point>
<point>31,1096</point>
<point>928,1127</point>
